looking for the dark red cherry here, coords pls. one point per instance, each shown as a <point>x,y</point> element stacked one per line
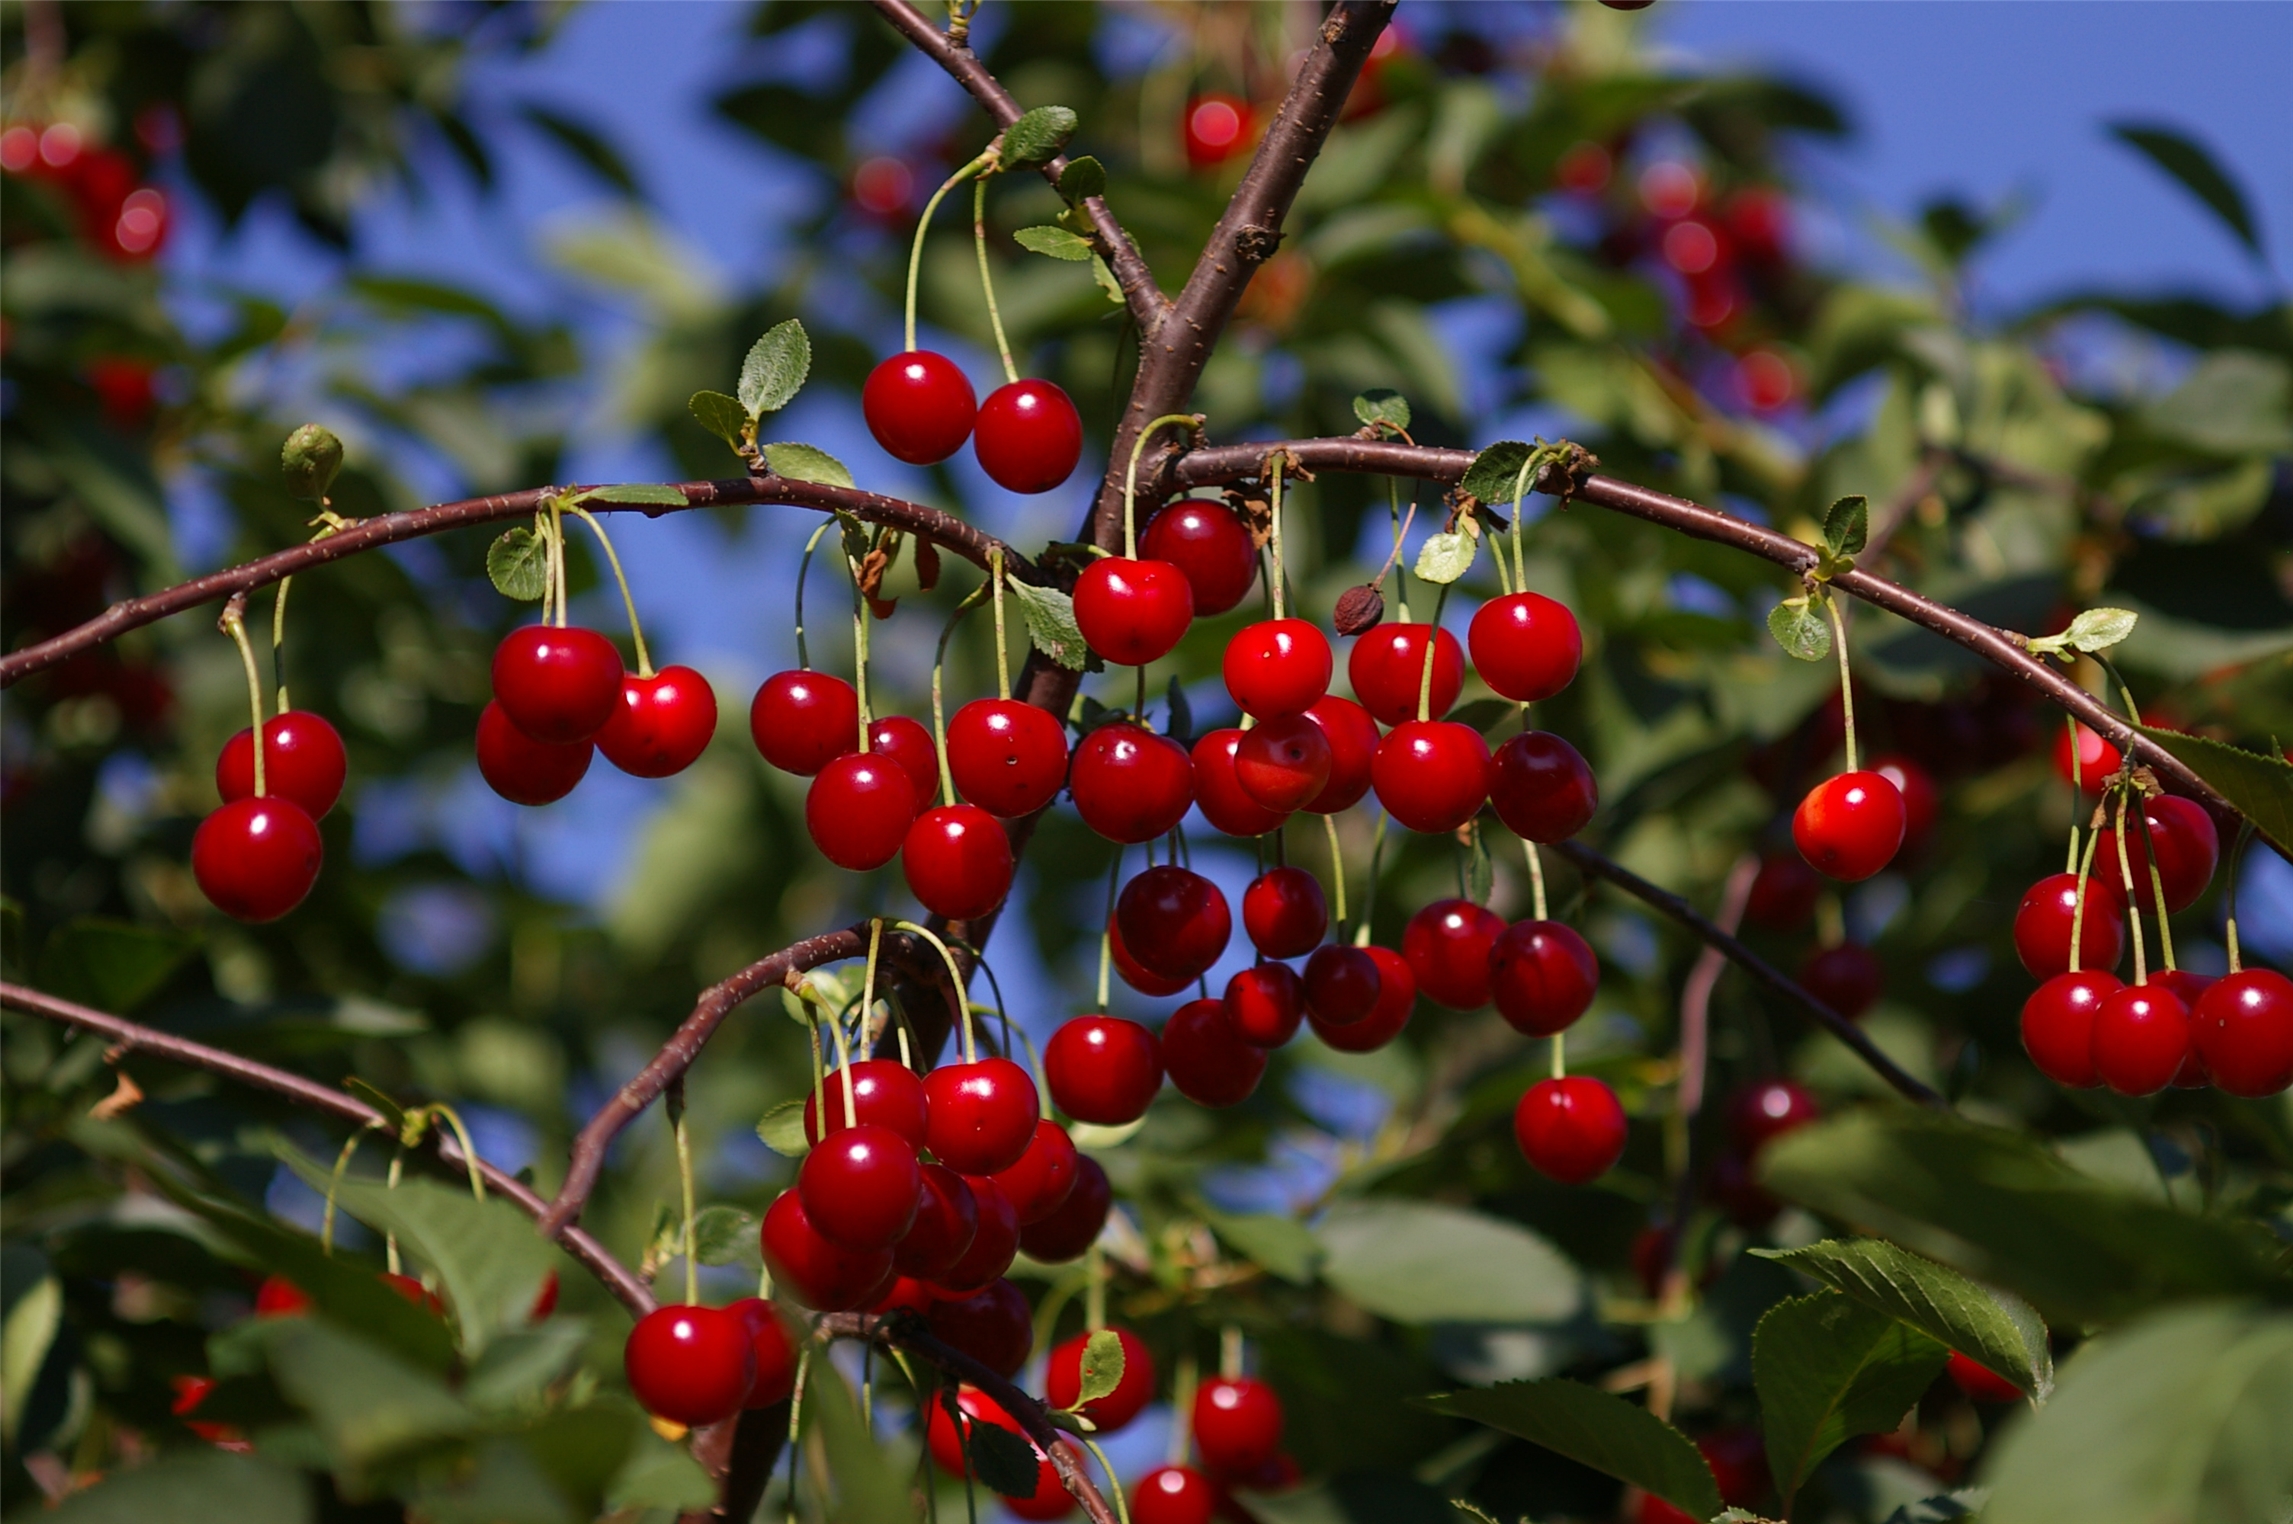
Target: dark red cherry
<point>1103,1069</point>
<point>1353,738</point>
<point>1174,921</point>
<point>1784,892</point>
<point>859,1188</point>
<point>1849,826</point>
<point>858,810</point>
<point>2243,1027</point>
<point>1063,1382</point>
<point>1387,667</point>
<point>1174,1495</point>
<point>904,1293</point>
<point>1447,947</point>
<point>1040,1181</point>
<point>1284,913</point>
<point>1131,785</point>
<point>256,859</point>
<point>2141,1038</point>
<point>906,742</point>
<point>957,861</point>
<point>992,1325</point>
<point>1134,973</point>
<point>1541,788</point>
<point>1979,1382</point>
<point>662,724</point>
<point>558,685</point>
<point>1007,757</point>
<point>994,1239</point>
<point>812,1270</point>
<point>1431,775</point>
<point>690,1365</point>
<point>2058,1025</point>
<point>1342,985</point>
<point>303,760</point>
<point>803,720</point>
<point>1396,998</point>
<point>919,406</point>
<point>1277,667</point>
<point>1283,763</point>
<point>1203,539</point>
<point>1206,1059</point>
<point>1760,1113</point>
<point>1237,1423</point>
<point>982,1115</point>
<point>1133,612</point>
<point>2043,920</point>
<point>1028,436</point>
<point>1066,1233</point>
<point>1542,976</point>
<point>1922,801</point>
<point>1849,978</point>
<point>1525,646</point>
<point>523,770</point>
<point>770,1347</point>
<point>1218,788</point>
<point>2097,760</point>
<point>885,1093</point>
<point>1571,1129</point>
<point>947,1218</point>
<point>1264,1004</point>
<point>1216,128</point>
<point>2183,842</point>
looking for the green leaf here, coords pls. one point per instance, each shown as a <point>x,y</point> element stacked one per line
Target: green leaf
<point>645,493</point>
<point>2092,630</point>
<point>1037,136</point>
<point>806,463</point>
<point>782,1129</point>
<point>1990,1327</point>
<point>775,368</point>
<point>24,1342</point>
<point>112,965</point>
<point>2260,786</point>
<point>1082,179</point>
<point>2183,1416</point>
<point>1051,623</point>
<point>518,565</point>
<point>192,1486</point>
<point>1495,474</point>
<point>1102,1366</point>
<point>1003,1461</point>
<point>2234,402</point>
<point>660,1475</point>
<point>722,1233</point>
<point>1799,629</point>
<point>518,1368</point>
<point>1106,279</point>
<point>1383,406</point>
<point>1419,1262</point>
<point>1056,242</point>
<point>1828,1368</point>
<point>1597,1429</point>
<point>1282,1246</point>
<point>2197,172</point>
<point>367,1403</point>
<point>595,154</point>
<point>722,416</point>
<point>1444,558</point>
<point>1847,526</point>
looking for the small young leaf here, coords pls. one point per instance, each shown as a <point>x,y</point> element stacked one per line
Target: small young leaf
<point>518,563</point>
<point>1081,179</point>
<point>782,1129</point>
<point>1847,526</point>
<point>806,463</point>
<point>1037,137</point>
<point>1495,474</point>
<point>1382,405</point>
<point>1056,242</point>
<point>1106,279</point>
<point>722,1233</point>
<point>635,492</point>
<point>1446,557</point>
<point>775,368</point>
<point>1051,624</point>
<point>2100,629</point>
<point>721,415</point>
<point>1003,1461</point>
<point>1799,629</point>
<point>1102,1366</point>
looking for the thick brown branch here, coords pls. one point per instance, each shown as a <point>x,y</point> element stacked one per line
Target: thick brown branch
<point>134,1037</point>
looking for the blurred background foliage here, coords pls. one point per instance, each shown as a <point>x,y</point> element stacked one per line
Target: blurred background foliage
<point>1528,223</point>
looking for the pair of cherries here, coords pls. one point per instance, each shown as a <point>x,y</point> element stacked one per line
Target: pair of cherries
<point>2183,845</point>
<point>256,857</point>
<point>921,408</point>
<point>696,1365</point>
<point>2179,1028</point>
<point>560,696</point>
<point>1541,975</point>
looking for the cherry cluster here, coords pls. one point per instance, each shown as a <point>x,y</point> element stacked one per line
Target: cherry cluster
<point>561,696</point>
<point>119,215</point>
<point>1027,435</point>
<point>257,856</point>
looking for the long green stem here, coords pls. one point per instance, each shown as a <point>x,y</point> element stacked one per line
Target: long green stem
<point>557,560</point>
<point>939,703</point>
<point>1274,532</point>
<point>1131,480</point>
<point>1337,871</point>
<point>235,625</point>
<point>1002,654</point>
<point>1846,687</point>
<point>987,282</point>
<point>867,1014</point>
<point>1369,889</point>
<point>803,566</point>
<point>2085,871</point>
<point>1400,529</point>
<point>2077,788</point>
<point>636,632</point>
<point>2133,908</point>
<point>1107,932</point>
<point>2158,890</point>
<point>955,983</point>
<point>923,226</point>
<point>685,1194</point>
<point>1432,645</point>
<point>860,649</point>
<point>279,641</point>
<point>1536,880</point>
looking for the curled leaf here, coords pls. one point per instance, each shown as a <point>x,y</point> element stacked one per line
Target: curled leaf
<point>1051,624</point>
<point>1382,407</point>
<point>1056,242</point>
<point>2093,630</point>
<point>722,416</point>
<point>310,458</point>
<point>806,463</point>
<point>1446,557</point>
<point>1799,629</point>
<point>1037,137</point>
<point>657,494</point>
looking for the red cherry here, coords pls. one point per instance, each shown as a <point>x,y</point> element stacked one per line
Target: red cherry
<point>1066,1233</point>
<point>256,859</point>
<point>1277,667</point>
<point>2141,1037</point>
<point>1571,1129</point>
<point>2098,760</point>
<point>885,1093</point>
<point>415,1292</point>
<point>2042,925</point>
<point>992,1325</point>
<point>1542,976</point>
<point>1063,1382</point>
<point>1264,1004</point>
<point>1028,436</point>
<point>803,720</point>
<point>1784,892</point>
<point>1431,775</point>
<point>994,1240</point>
<point>1541,788</point>
<point>1980,1382</point>
<point>957,861</point>
<point>1353,738</point>
<point>1049,1500</point>
<point>859,1188</point>
<point>1525,646</point>
<point>1203,539</point>
<point>1133,973</point>
<point>2058,1025</point>
<point>2183,843</point>
<point>1922,801</point>
<point>1007,757</point>
<point>947,1219</point>
<point>1103,1069</point>
<point>1206,1058</point>
<point>906,742</point>
<point>1131,785</point>
<point>919,406</point>
<point>1396,997</point>
<point>279,1297</point>
<point>810,1268</point>
<point>858,810</point>
<point>771,1350</point>
<point>661,724</point>
<point>1447,945</point>
<point>1762,1112</point>
<point>558,685</point>
<point>690,1365</point>
<point>1387,667</point>
<point>523,770</point>
<point>2243,1026</point>
<point>1133,612</point>
<point>1216,128</point>
<point>1284,913</point>
<point>1284,762</point>
<point>1038,1184</point>
<point>1218,788</point>
<point>1174,1495</point>
<point>303,761</point>
<point>1848,978</point>
<point>1849,826</point>
<point>1739,1461</point>
<point>1342,986</point>
<point>982,1115</point>
<point>1237,1423</point>
<point>1174,921</point>
<point>904,1293</point>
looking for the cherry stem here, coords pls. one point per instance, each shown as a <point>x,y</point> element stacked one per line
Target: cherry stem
<point>334,1184</point>
<point>2077,788</point>
<point>2126,881</point>
<point>557,559</point>
<point>867,1013</point>
<point>1094,1289</point>
<point>279,641</point>
<point>1230,1353</point>
<point>1432,645</point>
<point>1182,1408</point>
<point>923,226</point>
<point>1560,1055</point>
<point>1107,931</point>
<point>1846,688</point>
<point>814,1005</point>
<point>1002,655</point>
<point>636,633</point>
<point>2158,890</point>
<point>939,706</point>
<point>859,649</point>
<point>1131,478</point>
<point>234,623</point>
<point>1369,889</point>
<point>1274,530</point>
<point>685,1187</point>
<point>955,984</point>
<point>2085,870</point>
<point>2229,922</point>
<point>1337,871</point>
<point>803,566</point>
<point>1114,1483</point>
<point>1536,879</point>
<point>452,1118</point>
<point>987,284</point>
<point>390,1183</point>
<point>1520,571</point>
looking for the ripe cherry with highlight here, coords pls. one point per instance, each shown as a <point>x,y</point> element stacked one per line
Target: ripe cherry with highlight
<point>1206,1058</point>
<point>803,720</point>
<point>1103,1069</point>
<point>1133,612</point>
<point>1284,913</point>
<point>1525,646</point>
<point>1570,1129</point>
<point>1204,539</point>
<point>1849,826</point>
<point>1028,436</point>
<point>1006,757</point>
<point>1387,668</point>
<point>1447,947</point>
<point>920,406</point>
<point>1277,667</point>
<point>558,685</point>
<point>303,760</point>
<point>663,723</point>
<point>523,770</point>
<point>1130,784</point>
<point>256,859</point>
